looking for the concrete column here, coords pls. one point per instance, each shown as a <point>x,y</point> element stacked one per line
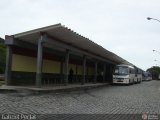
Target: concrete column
<point>40,61</point>
<point>76,72</point>
<point>95,75</point>
<point>104,72</point>
<point>111,72</point>
<point>8,65</point>
<point>61,71</point>
<point>87,74</point>
<point>84,70</point>
<point>66,67</point>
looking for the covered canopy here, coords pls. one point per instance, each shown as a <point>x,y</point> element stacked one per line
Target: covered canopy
<point>69,37</point>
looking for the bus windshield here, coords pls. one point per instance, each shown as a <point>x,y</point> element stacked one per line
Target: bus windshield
<point>121,70</point>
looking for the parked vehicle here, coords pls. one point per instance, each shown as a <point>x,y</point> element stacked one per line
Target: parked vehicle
<point>124,74</point>
<point>147,76</point>
<point>138,75</point>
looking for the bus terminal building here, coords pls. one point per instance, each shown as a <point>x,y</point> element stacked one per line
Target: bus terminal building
<point>56,55</point>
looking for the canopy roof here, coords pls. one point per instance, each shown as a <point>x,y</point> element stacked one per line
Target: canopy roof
<point>69,37</point>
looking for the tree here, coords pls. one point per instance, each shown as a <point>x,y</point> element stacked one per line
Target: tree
<point>2,57</point>
<point>155,71</point>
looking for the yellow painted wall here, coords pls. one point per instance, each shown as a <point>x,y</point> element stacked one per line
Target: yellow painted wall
<point>50,66</point>
<point>23,63</point>
<point>79,69</point>
<point>91,71</point>
<point>73,66</point>
<point>28,64</point>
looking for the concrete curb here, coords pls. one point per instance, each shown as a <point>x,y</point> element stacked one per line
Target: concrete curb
<point>34,91</point>
<point>66,90</point>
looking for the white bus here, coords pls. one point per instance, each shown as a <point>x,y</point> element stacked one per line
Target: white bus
<point>138,75</point>
<point>124,74</point>
<point>147,76</point>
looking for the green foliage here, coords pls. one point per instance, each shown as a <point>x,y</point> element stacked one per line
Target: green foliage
<point>2,57</point>
<point>155,71</point>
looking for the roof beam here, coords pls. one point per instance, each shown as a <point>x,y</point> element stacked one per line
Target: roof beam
<point>58,43</point>
<point>10,40</point>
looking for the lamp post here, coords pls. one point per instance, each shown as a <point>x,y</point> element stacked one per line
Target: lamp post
<point>156,51</point>
<point>157,62</point>
<point>155,59</point>
<point>149,18</point>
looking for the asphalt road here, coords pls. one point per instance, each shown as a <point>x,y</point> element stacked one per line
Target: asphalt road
<point>111,102</point>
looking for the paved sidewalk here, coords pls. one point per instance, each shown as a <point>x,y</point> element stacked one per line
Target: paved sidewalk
<point>117,102</point>
<point>50,88</point>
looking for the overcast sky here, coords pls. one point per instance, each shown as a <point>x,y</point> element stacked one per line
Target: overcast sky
<point>118,25</point>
